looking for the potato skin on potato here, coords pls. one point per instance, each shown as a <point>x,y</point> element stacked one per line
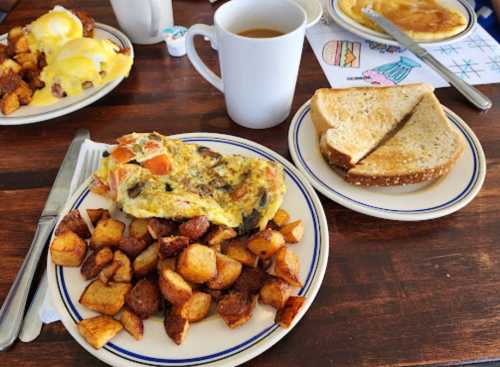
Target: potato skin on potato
<point>235,308</point>
<point>95,215</point>
<point>275,293</point>
<point>195,308</point>
<point>144,298</point>
<point>176,326</point>
<point>173,287</point>
<point>293,232</point>
<point>285,315</point>
<point>195,227</point>
<point>106,299</point>
<point>99,330</point>
<point>107,233</point>
<point>74,222</point>
<point>94,263</point>
<point>132,323</point>
<point>147,260</point>
<point>158,227</point>
<point>138,229</point>
<point>172,245</point>
<point>68,249</point>
<point>219,234</point>
<point>228,270</point>
<point>197,263</point>
<point>250,281</point>
<point>266,243</point>
<point>132,246</point>
<point>287,267</point>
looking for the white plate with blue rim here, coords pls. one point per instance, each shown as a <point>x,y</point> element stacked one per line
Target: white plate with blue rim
<point>362,31</point>
<point>413,202</point>
<point>208,342</point>
<point>32,114</point>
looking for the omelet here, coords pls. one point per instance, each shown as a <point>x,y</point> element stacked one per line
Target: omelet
<point>149,175</point>
<point>423,20</point>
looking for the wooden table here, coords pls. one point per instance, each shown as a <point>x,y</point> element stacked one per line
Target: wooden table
<point>394,293</point>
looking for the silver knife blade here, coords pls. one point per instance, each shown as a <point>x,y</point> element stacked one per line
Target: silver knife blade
<point>32,324</point>
<point>61,187</point>
<point>477,98</point>
<point>3,15</point>
<point>11,313</point>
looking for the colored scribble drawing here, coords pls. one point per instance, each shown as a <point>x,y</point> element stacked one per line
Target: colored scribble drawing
<point>384,49</point>
<point>466,68</point>
<point>345,54</point>
<point>494,63</point>
<point>389,74</point>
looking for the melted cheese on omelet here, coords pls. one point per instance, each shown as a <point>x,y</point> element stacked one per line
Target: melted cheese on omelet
<point>420,19</point>
<point>233,190</point>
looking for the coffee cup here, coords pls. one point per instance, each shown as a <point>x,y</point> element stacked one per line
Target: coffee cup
<point>259,45</point>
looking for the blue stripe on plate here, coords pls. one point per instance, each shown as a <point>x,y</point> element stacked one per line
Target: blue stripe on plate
<point>131,356</point>
<point>470,185</point>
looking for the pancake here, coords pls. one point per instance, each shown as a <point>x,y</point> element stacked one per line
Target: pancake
<point>423,20</point>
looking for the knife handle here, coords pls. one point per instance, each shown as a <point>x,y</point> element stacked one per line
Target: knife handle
<point>477,98</point>
<point>12,312</point>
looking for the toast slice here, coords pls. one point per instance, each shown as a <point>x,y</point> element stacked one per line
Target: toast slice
<point>425,148</point>
<point>353,121</point>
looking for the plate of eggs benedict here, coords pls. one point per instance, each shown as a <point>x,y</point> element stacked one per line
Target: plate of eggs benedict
<point>57,64</point>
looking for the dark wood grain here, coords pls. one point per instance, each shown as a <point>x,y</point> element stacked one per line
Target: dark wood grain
<point>395,294</point>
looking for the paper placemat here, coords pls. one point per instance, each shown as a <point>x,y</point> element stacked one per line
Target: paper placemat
<point>350,61</point>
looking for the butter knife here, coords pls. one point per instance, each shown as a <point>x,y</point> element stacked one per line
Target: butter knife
<point>5,7</point>
<point>477,98</point>
<point>12,311</point>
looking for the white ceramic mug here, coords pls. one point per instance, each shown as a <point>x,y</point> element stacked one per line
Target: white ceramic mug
<point>258,74</point>
<point>143,20</point>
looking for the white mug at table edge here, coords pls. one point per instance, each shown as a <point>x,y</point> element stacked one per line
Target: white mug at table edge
<point>143,20</point>
<point>258,75</point>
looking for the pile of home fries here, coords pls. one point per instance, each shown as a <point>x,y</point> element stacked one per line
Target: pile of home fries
<point>20,68</point>
<point>184,269</point>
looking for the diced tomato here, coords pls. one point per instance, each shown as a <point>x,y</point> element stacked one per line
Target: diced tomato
<point>126,139</point>
<point>159,165</point>
<point>122,154</point>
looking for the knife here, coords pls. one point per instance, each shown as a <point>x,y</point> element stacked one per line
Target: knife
<point>32,324</point>
<point>477,98</point>
<point>12,311</point>
<point>5,7</point>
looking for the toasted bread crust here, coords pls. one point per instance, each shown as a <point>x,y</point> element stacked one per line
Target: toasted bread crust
<point>334,157</point>
<point>407,179</point>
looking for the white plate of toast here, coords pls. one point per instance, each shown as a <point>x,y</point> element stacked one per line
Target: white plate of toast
<point>430,163</point>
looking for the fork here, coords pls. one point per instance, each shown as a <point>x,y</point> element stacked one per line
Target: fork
<point>32,323</point>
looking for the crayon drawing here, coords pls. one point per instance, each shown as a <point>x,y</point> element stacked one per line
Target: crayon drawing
<point>345,54</point>
<point>384,49</point>
<point>389,74</point>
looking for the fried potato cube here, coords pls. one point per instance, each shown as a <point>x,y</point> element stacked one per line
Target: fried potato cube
<point>27,58</point>
<point>287,267</point>
<point>108,272</point>
<point>96,262</point>
<point>197,263</point>
<point>172,245</point>
<point>293,232</point>
<point>173,287</point>
<point>275,293</point>
<point>15,33</point>
<point>237,250</point>
<point>108,232</point>
<point>99,330</point>
<point>132,246</point>
<point>20,44</point>
<point>266,243</point>
<point>9,103</point>
<point>95,215</point>
<point>132,323</point>
<point>168,263</point>
<point>106,299</point>
<point>281,217</point>
<point>235,308</point>
<point>24,93</point>
<point>195,308</point>
<point>219,234</point>
<point>74,222</point>
<point>147,260</point>
<point>158,227</point>
<point>10,65</point>
<point>68,249</point>
<point>138,229</point>
<point>228,270</point>
<point>285,315</point>
<point>124,271</point>
<point>176,326</point>
<point>250,281</point>
<point>144,298</point>
<point>195,227</point>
